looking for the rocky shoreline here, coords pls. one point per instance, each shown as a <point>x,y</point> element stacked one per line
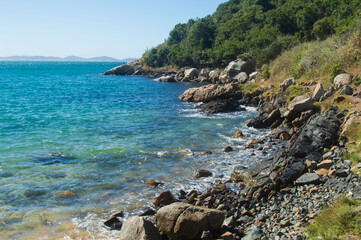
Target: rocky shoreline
<point>272,199</point>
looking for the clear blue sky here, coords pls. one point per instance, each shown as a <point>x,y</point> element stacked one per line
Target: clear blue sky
<point>89,28</point>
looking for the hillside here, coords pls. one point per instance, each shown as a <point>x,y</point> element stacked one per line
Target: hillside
<point>263,28</point>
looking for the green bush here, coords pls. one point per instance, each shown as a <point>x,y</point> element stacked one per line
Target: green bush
<point>336,69</point>
<point>357,79</point>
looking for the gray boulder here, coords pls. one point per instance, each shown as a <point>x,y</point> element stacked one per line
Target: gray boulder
<point>248,66</point>
<point>286,83</point>
<point>346,90</point>
<point>343,79</point>
<point>181,221</point>
<point>138,228</point>
<point>308,178</point>
<point>301,104</point>
<point>191,74</point>
<point>214,75</point>
<point>165,79</point>
<point>318,92</point>
<point>121,70</point>
<point>204,74</point>
<point>242,77</point>
<point>253,75</point>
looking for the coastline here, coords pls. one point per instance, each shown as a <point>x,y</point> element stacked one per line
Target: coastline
<point>266,200</point>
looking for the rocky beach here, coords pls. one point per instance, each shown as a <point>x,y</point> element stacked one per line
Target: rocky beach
<point>275,198</point>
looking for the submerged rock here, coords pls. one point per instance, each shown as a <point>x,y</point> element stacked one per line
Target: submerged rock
<point>220,106</point>
<point>164,198</point>
<point>202,173</point>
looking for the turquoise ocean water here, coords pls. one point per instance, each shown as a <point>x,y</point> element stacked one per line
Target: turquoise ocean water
<point>76,146</point>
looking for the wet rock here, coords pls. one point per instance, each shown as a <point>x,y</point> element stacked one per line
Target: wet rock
<point>165,79</point>
<point>148,212</point>
<point>191,74</point>
<point>318,92</point>
<point>164,198</point>
<point>202,173</point>
<point>346,90</point>
<point>112,221</point>
<point>308,178</point>
<point>207,152</point>
<point>182,221</point>
<point>139,228</point>
<point>210,92</point>
<point>220,106</point>
<point>238,134</point>
<point>153,183</point>
<point>121,70</point>
<point>286,83</point>
<point>343,79</point>
<point>66,195</point>
<point>34,193</point>
<point>227,149</point>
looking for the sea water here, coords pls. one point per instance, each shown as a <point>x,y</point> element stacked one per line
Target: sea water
<point>76,146</point>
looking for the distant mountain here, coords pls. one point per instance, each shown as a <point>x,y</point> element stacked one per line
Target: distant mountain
<point>66,59</point>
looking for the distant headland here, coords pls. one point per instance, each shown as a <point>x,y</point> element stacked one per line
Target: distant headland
<point>65,59</point>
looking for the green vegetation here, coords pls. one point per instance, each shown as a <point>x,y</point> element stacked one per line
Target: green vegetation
<point>337,220</point>
<point>263,28</point>
<point>250,87</point>
<point>357,79</point>
<point>354,149</point>
<point>294,91</point>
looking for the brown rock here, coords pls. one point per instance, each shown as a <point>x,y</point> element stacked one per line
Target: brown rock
<point>202,173</point>
<point>227,149</point>
<point>313,190</point>
<point>297,123</point>
<point>164,198</point>
<point>153,183</point>
<point>138,228</point>
<point>334,148</point>
<point>227,236</point>
<point>332,172</point>
<point>238,134</point>
<point>182,221</point>
<point>284,136</point>
<point>325,164</point>
<point>322,171</point>
<point>209,92</point>
<point>207,152</point>
<point>311,165</point>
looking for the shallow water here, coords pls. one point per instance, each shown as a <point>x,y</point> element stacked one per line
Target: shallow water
<point>76,146</point>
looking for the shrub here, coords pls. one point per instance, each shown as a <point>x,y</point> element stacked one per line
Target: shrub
<point>357,79</point>
<point>336,69</point>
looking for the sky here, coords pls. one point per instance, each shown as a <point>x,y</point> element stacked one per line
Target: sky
<point>90,28</point>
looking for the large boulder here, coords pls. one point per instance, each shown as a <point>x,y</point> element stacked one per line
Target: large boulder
<point>319,132</point>
<point>214,75</point>
<point>138,228</point>
<point>343,79</point>
<point>191,74</point>
<point>234,68</point>
<point>165,79</point>
<point>204,74</point>
<point>210,92</point>
<point>286,83</point>
<point>318,92</point>
<point>301,104</point>
<point>220,106</point>
<point>121,70</point>
<point>181,221</point>
<point>346,90</point>
<point>164,198</point>
<point>242,77</point>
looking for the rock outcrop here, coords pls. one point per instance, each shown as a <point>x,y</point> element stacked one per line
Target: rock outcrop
<point>234,68</point>
<point>210,92</point>
<point>165,79</point>
<point>121,70</point>
<point>343,79</point>
<point>191,74</point>
<point>181,221</point>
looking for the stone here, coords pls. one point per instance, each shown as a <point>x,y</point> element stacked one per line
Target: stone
<point>313,190</point>
<point>342,172</point>
<point>254,75</point>
<point>229,222</point>
<point>238,134</point>
<point>301,104</point>
<point>139,228</point>
<point>181,221</point>
<point>318,92</point>
<point>165,79</point>
<point>204,74</point>
<point>343,79</point>
<point>202,173</point>
<point>210,92</point>
<point>227,236</point>
<point>358,166</point>
<point>297,123</point>
<point>235,67</point>
<point>311,165</point>
<point>153,183</point>
<point>325,164</point>
<point>308,178</point>
<point>110,222</point>
<point>346,90</point>
<point>322,172</point>
<point>148,212</point>
<point>254,233</point>
<point>241,77</point>
<point>191,74</point>
<point>227,149</point>
<point>207,152</point>
<point>220,106</point>
<point>164,198</point>
<point>284,136</point>
<point>286,83</point>
<point>121,70</point>
<point>214,76</point>
<point>207,235</point>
